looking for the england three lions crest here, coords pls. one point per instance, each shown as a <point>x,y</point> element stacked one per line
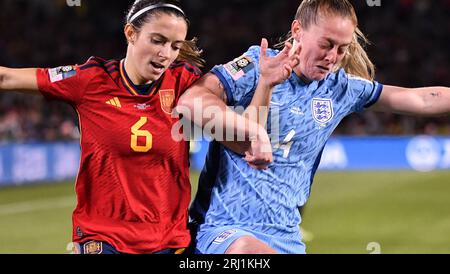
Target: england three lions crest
<point>167,98</point>
<point>322,110</point>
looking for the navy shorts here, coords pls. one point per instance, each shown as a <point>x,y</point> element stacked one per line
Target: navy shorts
<point>97,247</point>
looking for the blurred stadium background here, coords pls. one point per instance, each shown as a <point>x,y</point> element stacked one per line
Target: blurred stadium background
<point>389,191</point>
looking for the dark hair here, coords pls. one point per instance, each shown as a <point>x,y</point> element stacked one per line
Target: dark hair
<point>138,5</point>
<point>189,51</point>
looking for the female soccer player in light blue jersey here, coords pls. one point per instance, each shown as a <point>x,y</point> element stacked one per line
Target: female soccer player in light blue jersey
<point>240,209</point>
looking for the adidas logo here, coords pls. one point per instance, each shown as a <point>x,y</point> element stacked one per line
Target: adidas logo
<point>114,102</point>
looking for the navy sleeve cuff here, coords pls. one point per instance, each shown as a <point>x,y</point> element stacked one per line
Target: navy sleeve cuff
<point>225,84</point>
<point>376,97</point>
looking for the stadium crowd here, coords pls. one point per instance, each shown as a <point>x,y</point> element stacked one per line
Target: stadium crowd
<point>409,47</point>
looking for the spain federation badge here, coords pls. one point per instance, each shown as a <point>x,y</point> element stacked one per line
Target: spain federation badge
<point>93,247</point>
<point>322,110</point>
<point>167,98</point>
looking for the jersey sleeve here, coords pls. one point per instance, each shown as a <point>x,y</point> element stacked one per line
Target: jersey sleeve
<point>67,83</point>
<point>240,76</point>
<point>366,92</point>
<point>189,75</point>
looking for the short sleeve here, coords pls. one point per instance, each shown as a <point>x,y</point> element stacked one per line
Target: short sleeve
<point>67,83</point>
<point>240,76</point>
<point>189,76</point>
<point>366,92</point>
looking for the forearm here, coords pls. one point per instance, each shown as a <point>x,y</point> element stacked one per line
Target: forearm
<point>427,101</point>
<point>258,110</point>
<point>209,112</point>
<point>23,80</point>
<point>436,100</point>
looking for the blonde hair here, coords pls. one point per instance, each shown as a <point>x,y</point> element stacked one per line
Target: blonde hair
<point>356,60</point>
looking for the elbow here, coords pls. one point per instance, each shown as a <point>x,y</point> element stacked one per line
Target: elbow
<point>184,101</point>
<point>185,105</point>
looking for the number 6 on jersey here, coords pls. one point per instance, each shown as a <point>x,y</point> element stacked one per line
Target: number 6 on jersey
<point>136,132</point>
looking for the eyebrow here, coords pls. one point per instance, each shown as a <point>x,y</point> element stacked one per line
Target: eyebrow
<point>164,37</point>
<point>335,42</point>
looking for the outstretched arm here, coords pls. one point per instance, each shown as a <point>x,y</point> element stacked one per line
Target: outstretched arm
<point>23,80</point>
<point>427,101</point>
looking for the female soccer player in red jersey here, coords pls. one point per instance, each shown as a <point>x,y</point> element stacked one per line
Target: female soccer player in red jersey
<point>133,186</point>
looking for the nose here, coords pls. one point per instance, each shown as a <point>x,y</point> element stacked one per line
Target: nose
<point>164,51</point>
<point>332,55</point>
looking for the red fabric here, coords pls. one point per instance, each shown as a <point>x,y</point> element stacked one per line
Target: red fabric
<point>136,201</point>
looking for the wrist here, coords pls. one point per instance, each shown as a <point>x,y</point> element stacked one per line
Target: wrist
<point>265,83</point>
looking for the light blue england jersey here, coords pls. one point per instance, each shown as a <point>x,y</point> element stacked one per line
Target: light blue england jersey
<point>301,119</point>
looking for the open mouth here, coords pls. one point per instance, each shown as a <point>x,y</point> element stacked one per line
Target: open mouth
<point>325,69</point>
<point>157,67</point>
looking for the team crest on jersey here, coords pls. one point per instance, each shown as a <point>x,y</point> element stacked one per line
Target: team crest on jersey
<point>93,247</point>
<point>167,98</point>
<point>239,67</point>
<point>61,73</point>
<point>224,236</point>
<point>322,110</point>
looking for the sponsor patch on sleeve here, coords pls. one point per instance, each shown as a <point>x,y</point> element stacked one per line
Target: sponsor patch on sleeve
<point>61,73</point>
<point>239,67</point>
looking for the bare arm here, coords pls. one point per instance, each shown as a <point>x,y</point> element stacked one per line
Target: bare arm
<point>203,104</point>
<point>273,71</point>
<point>427,101</point>
<point>204,101</point>
<point>23,80</point>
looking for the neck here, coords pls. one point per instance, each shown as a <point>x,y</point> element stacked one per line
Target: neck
<point>300,75</point>
<point>132,73</point>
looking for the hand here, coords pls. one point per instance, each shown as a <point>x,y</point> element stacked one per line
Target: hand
<point>259,155</point>
<point>277,69</point>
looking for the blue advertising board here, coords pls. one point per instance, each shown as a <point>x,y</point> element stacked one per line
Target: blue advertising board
<point>28,163</point>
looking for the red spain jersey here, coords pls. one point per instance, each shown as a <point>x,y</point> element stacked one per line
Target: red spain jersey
<point>133,188</point>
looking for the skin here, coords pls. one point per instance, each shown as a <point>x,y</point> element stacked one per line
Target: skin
<point>323,45</point>
<point>154,47</point>
<point>150,52</point>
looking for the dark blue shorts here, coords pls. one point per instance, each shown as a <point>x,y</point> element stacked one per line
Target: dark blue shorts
<point>97,247</point>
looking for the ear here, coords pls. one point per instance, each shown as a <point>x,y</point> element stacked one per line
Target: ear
<point>296,30</point>
<point>130,33</point>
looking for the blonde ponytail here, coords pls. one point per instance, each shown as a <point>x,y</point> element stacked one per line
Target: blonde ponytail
<point>356,61</point>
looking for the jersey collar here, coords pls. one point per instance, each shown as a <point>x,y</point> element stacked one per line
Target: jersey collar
<point>131,88</point>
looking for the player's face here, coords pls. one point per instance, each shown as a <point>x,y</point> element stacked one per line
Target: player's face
<point>157,45</point>
<point>323,45</point>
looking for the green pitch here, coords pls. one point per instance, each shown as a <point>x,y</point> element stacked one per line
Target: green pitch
<point>393,212</point>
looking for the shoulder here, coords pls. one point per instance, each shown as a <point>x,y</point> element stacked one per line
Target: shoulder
<point>97,64</point>
<point>337,78</point>
<point>180,68</point>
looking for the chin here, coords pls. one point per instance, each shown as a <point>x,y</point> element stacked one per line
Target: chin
<point>319,76</point>
<point>151,76</point>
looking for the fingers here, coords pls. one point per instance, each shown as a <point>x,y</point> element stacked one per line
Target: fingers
<point>254,162</point>
<point>294,61</point>
<point>264,46</point>
<point>296,49</point>
<point>287,49</point>
<point>287,70</point>
<point>284,53</point>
